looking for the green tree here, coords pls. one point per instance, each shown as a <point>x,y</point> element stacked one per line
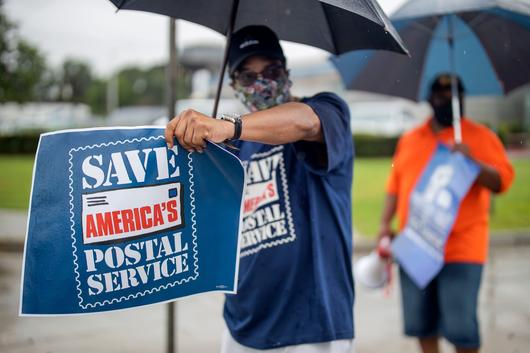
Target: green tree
<point>141,87</point>
<point>76,78</point>
<point>24,76</point>
<point>148,86</point>
<point>96,96</point>
<point>21,64</point>
<point>6,28</point>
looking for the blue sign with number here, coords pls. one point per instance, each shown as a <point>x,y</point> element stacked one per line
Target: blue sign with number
<point>118,220</point>
<point>433,207</point>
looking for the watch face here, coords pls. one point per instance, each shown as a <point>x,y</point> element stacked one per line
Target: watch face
<point>236,120</point>
<point>233,118</point>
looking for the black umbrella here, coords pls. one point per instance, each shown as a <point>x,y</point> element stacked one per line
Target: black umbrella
<point>337,26</point>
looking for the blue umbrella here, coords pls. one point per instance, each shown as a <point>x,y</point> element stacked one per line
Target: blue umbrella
<point>485,42</point>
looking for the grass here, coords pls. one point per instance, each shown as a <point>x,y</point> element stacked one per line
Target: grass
<point>512,209</point>
<point>15,181</point>
<point>369,181</point>
<point>509,211</point>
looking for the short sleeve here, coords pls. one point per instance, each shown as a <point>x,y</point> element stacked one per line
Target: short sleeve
<point>494,155</point>
<point>334,116</point>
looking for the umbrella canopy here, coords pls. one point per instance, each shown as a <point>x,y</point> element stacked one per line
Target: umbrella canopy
<point>485,42</point>
<point>337,26</point>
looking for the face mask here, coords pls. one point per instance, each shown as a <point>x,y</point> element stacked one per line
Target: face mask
<point>264,93</point>
<point>443,114</point>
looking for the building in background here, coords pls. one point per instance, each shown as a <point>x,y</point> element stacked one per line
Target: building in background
<point>371,113</point>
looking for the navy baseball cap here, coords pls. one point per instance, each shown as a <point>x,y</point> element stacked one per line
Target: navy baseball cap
<point>253,40</point>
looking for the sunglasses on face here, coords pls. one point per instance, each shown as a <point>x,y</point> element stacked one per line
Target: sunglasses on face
<point>271,72</point>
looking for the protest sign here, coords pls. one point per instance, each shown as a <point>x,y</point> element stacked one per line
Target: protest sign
<point>433,207</point>
<point>118,220</point>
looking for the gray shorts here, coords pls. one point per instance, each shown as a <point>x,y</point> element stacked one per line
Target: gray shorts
<point>447,306</point>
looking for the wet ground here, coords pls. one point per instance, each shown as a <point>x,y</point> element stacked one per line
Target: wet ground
<point>504,314</point>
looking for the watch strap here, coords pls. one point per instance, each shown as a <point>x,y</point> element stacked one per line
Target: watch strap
<point>238,126</point>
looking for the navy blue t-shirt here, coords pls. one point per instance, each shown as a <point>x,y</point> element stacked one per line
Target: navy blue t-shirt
<point>295,278</point>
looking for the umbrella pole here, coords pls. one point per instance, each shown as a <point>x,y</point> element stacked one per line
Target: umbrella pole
<point>171,339</point>
<point>233,14</point>
<point>455,101</point>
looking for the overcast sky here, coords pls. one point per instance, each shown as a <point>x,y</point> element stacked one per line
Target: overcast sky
<point>93,31</point>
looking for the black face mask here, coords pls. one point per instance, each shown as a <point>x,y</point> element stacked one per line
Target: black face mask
<point>443,113</point>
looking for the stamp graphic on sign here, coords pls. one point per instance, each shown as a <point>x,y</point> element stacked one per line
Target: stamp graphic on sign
<point>125,213</point>
<point>267,219</point>
<point>116,203</point>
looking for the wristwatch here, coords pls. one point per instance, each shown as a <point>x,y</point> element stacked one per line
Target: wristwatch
<point>236,120</point>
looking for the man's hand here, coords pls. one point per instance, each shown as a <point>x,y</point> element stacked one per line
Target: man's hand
<point>488,177</point>
<point>462,148</point>
<point>192,129</point>
<point>385,230</point>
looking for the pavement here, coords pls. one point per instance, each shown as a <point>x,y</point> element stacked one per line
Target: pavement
<point>504,311</point>
<point>13,225</point>
<point>504,315</point>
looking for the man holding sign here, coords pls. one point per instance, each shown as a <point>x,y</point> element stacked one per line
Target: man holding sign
<point>424,184</point>
<point>295,280</point>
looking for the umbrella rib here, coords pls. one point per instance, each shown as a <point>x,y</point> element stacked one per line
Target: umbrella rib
<point>122,2</point>
<point>431,32</point>
<point>333,41</point>
<point>475,20</point>
<point>378,10</point>
<point>488,56</point>
<point>424,28</point>
<point>372,6</point>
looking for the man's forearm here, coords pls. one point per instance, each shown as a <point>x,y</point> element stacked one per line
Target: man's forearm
<point>389,209</point>
<point>285,123</point>
<point>489,177</point>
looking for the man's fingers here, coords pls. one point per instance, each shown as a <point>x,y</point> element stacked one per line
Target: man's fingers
<point>180,129</point>
<point>188,136</point>
<point>169,131</point>
<point>199,136</point>
<point>190,129</point>
<point>180,133</point>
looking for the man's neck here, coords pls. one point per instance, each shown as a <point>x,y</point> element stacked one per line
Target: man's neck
<point>293,98</point>
<point>436,127</point>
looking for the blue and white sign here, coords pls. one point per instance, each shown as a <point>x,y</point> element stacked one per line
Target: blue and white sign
<point>118,220</point>
<point>433,207</point>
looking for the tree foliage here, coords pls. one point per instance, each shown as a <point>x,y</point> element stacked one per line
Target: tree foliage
<point>25,76</point>
<point>139,86</point>
<point>22,66</point>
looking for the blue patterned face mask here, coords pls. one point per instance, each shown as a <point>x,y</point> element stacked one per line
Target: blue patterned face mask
<point>264,93</point>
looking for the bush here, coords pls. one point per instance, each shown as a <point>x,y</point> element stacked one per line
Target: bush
<point>365,145</point>
<point>19,144</point>
<point>374,146</point>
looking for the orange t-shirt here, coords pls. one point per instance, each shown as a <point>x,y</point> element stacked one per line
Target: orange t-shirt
<point>468,241</point>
